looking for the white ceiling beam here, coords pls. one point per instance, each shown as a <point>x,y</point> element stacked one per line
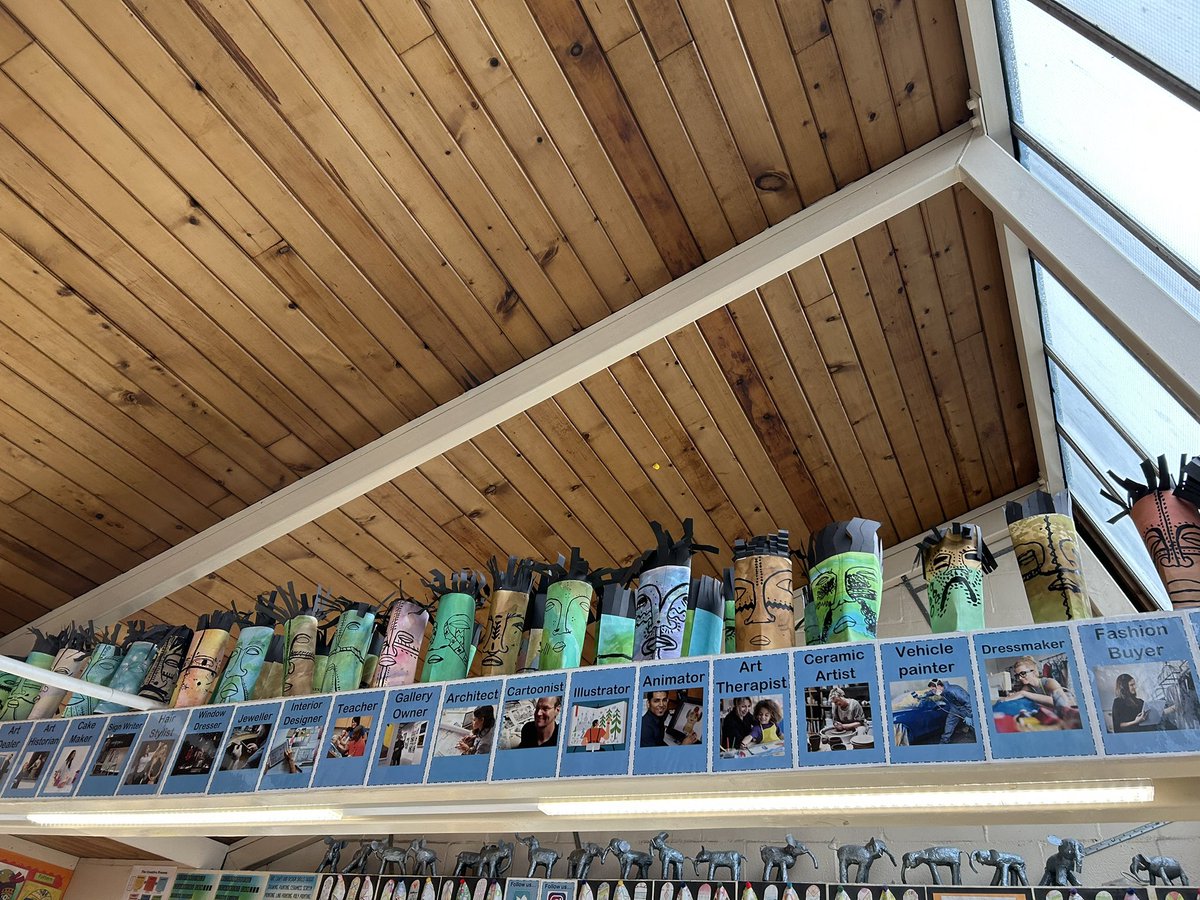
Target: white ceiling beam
<point>193,851</point>
<point>800,238</point>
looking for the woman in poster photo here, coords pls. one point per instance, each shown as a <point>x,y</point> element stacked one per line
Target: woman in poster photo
<point>1130,712</point>
<point>483,730</point>
<point>1043,690</point>
<point>848,713</point>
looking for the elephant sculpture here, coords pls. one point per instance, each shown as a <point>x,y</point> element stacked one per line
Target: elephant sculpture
<point>539,855</point>
<point>579,861</point>
<point>672,859</point>
<point>628,858</point>
<point>1157,867</point>
<point>860,856</point>
<point>720,859</point>
<point>333,855</point>
<point>935,858</point>
<point>781,859</point>
<point>358,865</point>
<point>423,860</point>
<point>495,859</point>
<point>1064,865</point>
<point>392,856</point>
<point>468,859</point>
<point>1010,868</point>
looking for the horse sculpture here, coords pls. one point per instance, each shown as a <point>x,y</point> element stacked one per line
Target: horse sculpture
<point>539,855</point>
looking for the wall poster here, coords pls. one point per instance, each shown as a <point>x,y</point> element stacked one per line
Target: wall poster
<point>837,688</point>
<point>407,732</point>
<point>354,726</point>
<point>466,731</point>
<point>530,727</point>
<point>754,713</point>
<point>599,722</point>
<point>672,712</point>
<point>203,740</point>
<point>151,757</point>
<point>240,760</point>
<point>103,774</point>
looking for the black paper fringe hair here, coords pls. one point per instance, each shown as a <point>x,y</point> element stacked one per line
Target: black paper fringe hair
<point>616,600</point>
<point>516,576</point>
<point>575,570</point>
<point>464,581</point>
<point>292,604</point>
<point>936,534</point>
<point>1157,478</point>
<point>218,620</point>
<point>775,544</point>
<point>49,644</point>
<point>849,536</point>
<point>1189,481</point>
<point>671,552</point>
<point>275,649</point>
<point>1039,503</point>
<point>707,593</point>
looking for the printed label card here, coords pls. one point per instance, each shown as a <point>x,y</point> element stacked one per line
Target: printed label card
<point>599,723</point>
<point>408,729</point>
<point>73,755</point>
<point>1143,680</point>
<point>247,746</point>
<point>530,726</point>
<point>672,721</point>
<point>152,757</point>
<point>467,729</point>
<point>838,689</point>
<point>203,740</point>
<point>754,713</point>
<point>195,885</point>
<point>930,687</point>
<point>34,766</point>
<point>289,886</point>
<point>298,739</point>
<point>354,726</point>
<point>1035,703</point>
<point>104,773</point>
<point>241,885</point>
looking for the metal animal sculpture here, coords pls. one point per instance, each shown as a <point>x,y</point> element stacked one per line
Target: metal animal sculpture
<point>1010,868</point>
<point>1164,867</point>
<point>495,859</point>
<point>672,859</point>
<point>333,855</point>
<point>468,859</point>
<point>720,859</point>
<point>580,860</point>
<point>358,865</point>
<point>424,860</point>
<point>392,856</point>
<point>861,857</point>
<point>628,858</point>
<point>935,858</point>
<point>781,859</point>
<point>539,855</point>
<point>1064,866</point>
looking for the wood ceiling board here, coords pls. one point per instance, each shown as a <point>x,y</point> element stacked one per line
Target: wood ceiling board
<point>90,847</point>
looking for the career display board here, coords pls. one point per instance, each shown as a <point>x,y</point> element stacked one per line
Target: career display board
<point>1103,687</point>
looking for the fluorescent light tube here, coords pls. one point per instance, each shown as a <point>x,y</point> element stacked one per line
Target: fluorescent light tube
<point>187,817</point>
<point>965,797</point>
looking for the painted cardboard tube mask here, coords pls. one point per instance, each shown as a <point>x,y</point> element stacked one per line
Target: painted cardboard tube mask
<point>133,668</point>
<point>762,590</point>
<point>402,644</point>
<point>954,563</point>
<point>100,669</point>
<point>270,680</point>
<point>207,656</point>
<point>69,661</point>
<point>500,646</point>
<point>845,580</point>
<point>707,603</point>
<point>24,693</point>
<point>614,643</point>
<point>1046,546</point>
<point>449,647</point>
<point>348,649</point>
<point>163,674</point>
<point>565,625</point>
<point>661,612</point>
<point>245,664</point>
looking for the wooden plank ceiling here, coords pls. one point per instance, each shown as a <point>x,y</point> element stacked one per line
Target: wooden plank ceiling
<point>241,238</point>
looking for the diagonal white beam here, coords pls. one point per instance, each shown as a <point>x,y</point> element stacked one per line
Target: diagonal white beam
<point>800,238</point>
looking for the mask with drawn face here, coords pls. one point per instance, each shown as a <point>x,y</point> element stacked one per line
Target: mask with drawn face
<point>25,692</point>
<point>660,612</point>
<point>348,651</point>
<point>99,670</point>
<point>450,647</point>
<point>69,661</point>
<point>1045,547</point>
<point>130,673</point>
<point>565,624</point>
<point>402,644</point>
<point>501,643</point>
<point>953,564</point>
<point>205,665</point>
<point>1170,529</point>
<point>763,605</point>
<point>300,651</point>
<point>245,664</point>
<point>164,672</point>
<point>847,589</point>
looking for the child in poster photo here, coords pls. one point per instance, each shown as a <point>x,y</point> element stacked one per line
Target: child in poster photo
<point>349,737</point>
<point>752,726</point>
<point>672,718</point>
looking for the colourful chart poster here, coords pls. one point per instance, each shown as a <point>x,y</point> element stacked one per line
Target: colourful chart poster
<point>241,885</point>
<point>12,741</point>
<point>298,739</point>
<point>933,709</point>
<point>837,688</point>
<point>149,883</point>
<point>26,878</point>
<point>1034,700</point>
<point>408,731</point>
<point>672,712</point>
<point>754,724</point>
<point>203,740</point>
<point>354,726</point>
<point>467,727</point>
<point>152,756</point>
<point>195,885</point>
<point>103,774</point>
<point>240,761</point>
<point>33,765</point>
<point>530,727</point>
<point>599,723</point>
<point>1143,680</point>
<point>284,886</point>
<point>66,771</point>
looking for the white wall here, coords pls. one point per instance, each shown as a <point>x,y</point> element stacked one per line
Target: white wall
<point>100,879</point>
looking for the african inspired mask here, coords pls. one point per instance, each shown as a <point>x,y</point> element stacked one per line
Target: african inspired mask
<point>567,605</point>
<point>1169,525</point>
<point>163,674</point>
<point>661,604</point>
<point>69,661</point>
<point>133,668</point>
<point>615,637</point>
<point>402,641</point>
<point>500,644</point>
<point>954,563</point>
<point>207,656</point>
<point>244,665</point>
<point>22,696</point>
<point>707,602</point>
<point>270,680</point>
<point>762,593</point>
<point>348,649</point>
<point>100,669</point>
<point>845,580</point>
<point>1045,544</point>
<point>448,655</point>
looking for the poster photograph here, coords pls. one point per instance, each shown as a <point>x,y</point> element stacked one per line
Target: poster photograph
<point>597,726</point>
<point>403,743</point>
<point>198,753</point>
<point>838,717</point>
<point>149,763</point>
<point>933,711</point>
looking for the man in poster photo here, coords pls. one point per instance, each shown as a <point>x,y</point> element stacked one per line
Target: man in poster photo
<point>654,722</point>
<point>542,729</point>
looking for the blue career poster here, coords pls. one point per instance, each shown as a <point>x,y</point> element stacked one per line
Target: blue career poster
<point>354,726</point>
<point>1034,700</point>
<point>108,765</point>
<point>34,765</point>
<point>837,687</point>
<point>73,755</point>
<point>199,750</point>
<point>12,739</point>
<point>754,713</point>
<point>530,726</point>
<point>672,713</point>
<point>599,724</point>
<point>152,757</point>
<point>930,687</point>
<point>247,745</point>
<point>1143,681</point>
<point>467,727</point>
<point>299,736</point>
<point>409,728</point>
